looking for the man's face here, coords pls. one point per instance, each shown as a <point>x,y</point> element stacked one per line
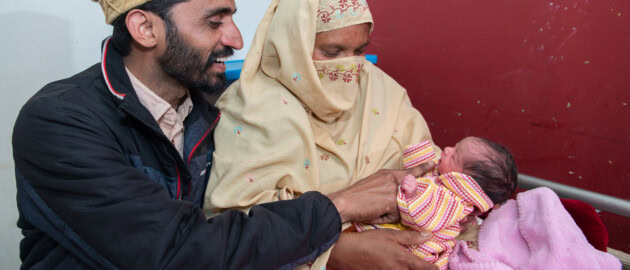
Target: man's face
<point>200,35</point>
<point>343,42</point>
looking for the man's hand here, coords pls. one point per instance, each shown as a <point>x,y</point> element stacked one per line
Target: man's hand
<point>373,199</point>
<point>378,249</point>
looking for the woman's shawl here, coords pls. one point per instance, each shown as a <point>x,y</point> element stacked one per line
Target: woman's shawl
<point>282,133</point>
<point>270,146</point>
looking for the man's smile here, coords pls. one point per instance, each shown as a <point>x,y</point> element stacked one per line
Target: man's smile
<point>219,65</point>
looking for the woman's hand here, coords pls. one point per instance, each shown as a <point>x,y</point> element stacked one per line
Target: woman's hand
<point>378,249</point>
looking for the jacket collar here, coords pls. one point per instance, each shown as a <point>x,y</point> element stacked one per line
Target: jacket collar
<point>112,67</point>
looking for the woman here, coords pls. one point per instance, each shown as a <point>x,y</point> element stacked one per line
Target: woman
<point>309,112</point>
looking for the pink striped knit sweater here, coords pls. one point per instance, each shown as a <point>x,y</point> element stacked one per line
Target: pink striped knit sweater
<point>439,204</point>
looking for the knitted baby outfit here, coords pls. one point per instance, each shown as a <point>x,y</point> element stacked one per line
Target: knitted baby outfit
<point>440,202</point>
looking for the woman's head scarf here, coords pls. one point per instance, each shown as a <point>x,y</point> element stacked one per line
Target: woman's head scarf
<point>288,51</point>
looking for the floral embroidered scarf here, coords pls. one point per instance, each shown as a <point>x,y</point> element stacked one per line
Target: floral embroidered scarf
<point>288,127</point>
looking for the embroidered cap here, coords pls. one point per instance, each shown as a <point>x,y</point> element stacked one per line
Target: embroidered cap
<point>114,8</point>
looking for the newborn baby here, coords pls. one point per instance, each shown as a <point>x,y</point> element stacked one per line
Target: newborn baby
<point>469,179</point>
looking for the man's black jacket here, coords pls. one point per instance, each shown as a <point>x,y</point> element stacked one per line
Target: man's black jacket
<point>101,187</point>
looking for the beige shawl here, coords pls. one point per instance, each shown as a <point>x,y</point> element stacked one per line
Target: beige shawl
<point>292,125</point>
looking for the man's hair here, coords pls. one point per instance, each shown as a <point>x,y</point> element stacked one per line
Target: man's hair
<point>495,172</point>
<point>121,39</point>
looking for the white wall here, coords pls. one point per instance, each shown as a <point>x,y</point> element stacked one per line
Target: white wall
<point>43,41</point>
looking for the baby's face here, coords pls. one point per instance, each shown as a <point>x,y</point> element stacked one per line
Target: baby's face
<point>453,158</point>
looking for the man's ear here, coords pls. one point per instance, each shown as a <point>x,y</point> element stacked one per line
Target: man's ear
<point>143,27</point>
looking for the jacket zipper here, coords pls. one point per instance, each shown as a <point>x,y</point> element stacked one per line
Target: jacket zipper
<point>179,179</point>
<point>179,183</point>
<point>193,151</point>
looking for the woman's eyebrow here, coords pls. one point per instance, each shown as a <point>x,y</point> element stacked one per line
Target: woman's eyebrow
<point>340,46</point>
<point>333,46</point>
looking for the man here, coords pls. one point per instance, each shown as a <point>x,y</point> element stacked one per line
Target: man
<point>112,163</point>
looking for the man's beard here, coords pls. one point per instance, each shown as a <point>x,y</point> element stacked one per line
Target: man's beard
<point>185,65</point>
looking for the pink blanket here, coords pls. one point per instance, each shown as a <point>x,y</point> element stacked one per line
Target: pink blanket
<point>532,232</point>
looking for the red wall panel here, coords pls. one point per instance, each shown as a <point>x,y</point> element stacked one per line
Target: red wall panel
<point>548,79</point>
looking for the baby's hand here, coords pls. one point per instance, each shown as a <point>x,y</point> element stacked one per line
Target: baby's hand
<point>409,186</point>
<point>464,224</point>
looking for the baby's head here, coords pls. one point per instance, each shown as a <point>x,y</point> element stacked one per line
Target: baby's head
<point>489,163</point>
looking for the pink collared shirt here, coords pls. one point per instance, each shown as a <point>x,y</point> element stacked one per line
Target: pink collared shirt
<point>170,120</point>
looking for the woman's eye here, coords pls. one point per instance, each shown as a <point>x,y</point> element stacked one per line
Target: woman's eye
<point>331,54</point>
<point>359,52</point>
